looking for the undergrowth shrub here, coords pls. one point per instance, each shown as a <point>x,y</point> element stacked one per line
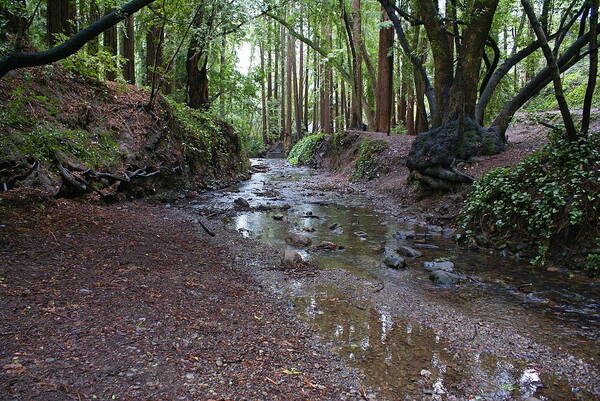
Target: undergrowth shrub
<point>367,165</point>
<point>94,66</point>
<point>303,152</point>
<point>550,200</point>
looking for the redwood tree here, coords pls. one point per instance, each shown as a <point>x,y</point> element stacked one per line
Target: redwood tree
<point>385,83</point>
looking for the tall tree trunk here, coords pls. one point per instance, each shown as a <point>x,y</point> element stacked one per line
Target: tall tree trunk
<point>109,41</point>
<point>297,87</point>
<point>344,101</point>
<point>128,40</point>
<point>385,83</point>
<point>317,91</point>
<point>269,62</point>
<point>154,38</point>
<point>282,84</point>
<point>402,103</point>
<point>443,62</point>
<point>421,122</point>
<point>93,14</point>
<point>593,73</point>
<point>410,110</point>
<point>326,126</point>
<point>197,69</point>
<point>289,94</point>
<point>306,93</point>
<point>263,96</point>
<point>356,119</point>
<point>60,19</point>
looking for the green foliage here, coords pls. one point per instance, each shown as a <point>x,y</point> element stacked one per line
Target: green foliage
<point>252,144</point>
<point>367,164</point>
<point>92,65</point>
<point>40,143</point>
<point>304,151</point>
<point>551,198</point>
<point>199,124</point>
<point>575,85</point>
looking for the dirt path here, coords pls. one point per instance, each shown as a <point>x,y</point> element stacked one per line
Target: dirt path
<point>129,302</point>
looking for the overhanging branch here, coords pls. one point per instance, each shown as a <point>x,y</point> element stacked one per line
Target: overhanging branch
<point>31,59</point>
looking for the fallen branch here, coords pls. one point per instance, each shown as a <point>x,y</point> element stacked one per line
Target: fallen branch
<point>206,229</point>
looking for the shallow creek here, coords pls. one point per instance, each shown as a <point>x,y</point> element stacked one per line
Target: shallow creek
<point>510,331</point>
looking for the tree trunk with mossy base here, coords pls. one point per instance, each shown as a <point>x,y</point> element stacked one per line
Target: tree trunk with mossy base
<point>456,102</point>
<point>455,134</point>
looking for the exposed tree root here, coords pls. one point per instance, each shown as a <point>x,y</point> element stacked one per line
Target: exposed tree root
<point>434,156</point>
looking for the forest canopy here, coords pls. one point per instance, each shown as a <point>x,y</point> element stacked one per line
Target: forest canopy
<point>444,67</point>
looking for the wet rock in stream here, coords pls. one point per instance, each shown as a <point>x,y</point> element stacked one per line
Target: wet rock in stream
<point>404,234</point>
<point>326,245</point>
<point>241,202</point>
<point>434,266</point>
<point>298,240</point>
<point>394,261</point>
<point>408,251</point>
<point>442,277</point>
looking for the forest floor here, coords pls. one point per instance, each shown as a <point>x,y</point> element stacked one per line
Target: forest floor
<point>128,302</point>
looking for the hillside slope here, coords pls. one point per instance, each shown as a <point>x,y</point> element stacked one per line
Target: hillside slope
<point>72,137</point>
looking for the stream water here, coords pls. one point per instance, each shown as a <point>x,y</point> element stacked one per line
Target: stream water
<point>398,337</point>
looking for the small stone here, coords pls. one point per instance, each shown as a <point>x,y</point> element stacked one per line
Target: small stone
<point>425,372</point>
<point>434,229</point>
<point>360,233</point>
<point>334,226</point>
<point>189,376</point>
<point>338,231</point>
<point>219,362</point>
<point>408,251</point>
<point>85,291</point>
<point>168,206</point>
<point>552,269</point>
<point>426,246</point>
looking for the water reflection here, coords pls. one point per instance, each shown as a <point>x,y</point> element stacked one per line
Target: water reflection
<point>405,360</point>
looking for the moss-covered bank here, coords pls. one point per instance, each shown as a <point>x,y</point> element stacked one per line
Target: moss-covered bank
<point>75,137</point>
